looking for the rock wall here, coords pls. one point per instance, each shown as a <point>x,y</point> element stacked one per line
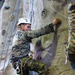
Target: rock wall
<point>43,13</point>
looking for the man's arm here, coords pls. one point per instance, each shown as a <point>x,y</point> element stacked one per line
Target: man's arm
<point>45,30</point>
<point>36,33</point>
<point>42,31</point>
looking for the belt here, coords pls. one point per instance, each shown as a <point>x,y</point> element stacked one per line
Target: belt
<point>17,58</point>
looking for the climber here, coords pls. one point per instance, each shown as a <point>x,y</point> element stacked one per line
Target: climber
<point>21,46</point>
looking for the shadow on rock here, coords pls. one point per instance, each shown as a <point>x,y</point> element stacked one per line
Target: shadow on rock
<point>50,50</point>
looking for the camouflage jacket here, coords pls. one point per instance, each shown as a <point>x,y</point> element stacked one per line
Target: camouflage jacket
<point>22,39</point>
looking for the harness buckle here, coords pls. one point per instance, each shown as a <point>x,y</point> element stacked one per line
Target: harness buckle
<point>17,67</point>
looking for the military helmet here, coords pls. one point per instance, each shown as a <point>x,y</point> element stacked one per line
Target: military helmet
<point>22,20</point>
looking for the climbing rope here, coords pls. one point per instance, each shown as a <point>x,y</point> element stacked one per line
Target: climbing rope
<point>1,3</point>
<point>32,12</point>
<point>15,14</point>
<point>13,23</point>
<point>57,11</point>
<point>23,64</point>
<point>6,36</point>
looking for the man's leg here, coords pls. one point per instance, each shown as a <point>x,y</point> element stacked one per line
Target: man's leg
<point>37,66</point>
<point>25,72</point>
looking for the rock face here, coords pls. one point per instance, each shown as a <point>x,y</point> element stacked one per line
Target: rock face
<point>41,13</point>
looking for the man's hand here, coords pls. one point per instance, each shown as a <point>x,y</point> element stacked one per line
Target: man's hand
<point>56,21</point>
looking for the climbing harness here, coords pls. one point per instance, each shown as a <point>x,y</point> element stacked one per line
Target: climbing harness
<point>1,3</point>
<point>21,63</point>
<point>32,12</point>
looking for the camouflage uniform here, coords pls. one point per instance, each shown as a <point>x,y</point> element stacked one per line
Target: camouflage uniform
<point>71,39</point>
<point>21,48</point>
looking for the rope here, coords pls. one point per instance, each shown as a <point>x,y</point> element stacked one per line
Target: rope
<point>32,12</point>
<point>1,3</point>
<point>3,0</point>
<point>23,65</point>
<point>21,69</point>
<point>57,11</point>
<point>5,39</point>
<point>13,26</point>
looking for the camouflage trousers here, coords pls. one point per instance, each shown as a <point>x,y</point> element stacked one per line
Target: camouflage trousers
<point>29,64</point>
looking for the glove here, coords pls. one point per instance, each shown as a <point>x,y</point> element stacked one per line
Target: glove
<point>56,21</point>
